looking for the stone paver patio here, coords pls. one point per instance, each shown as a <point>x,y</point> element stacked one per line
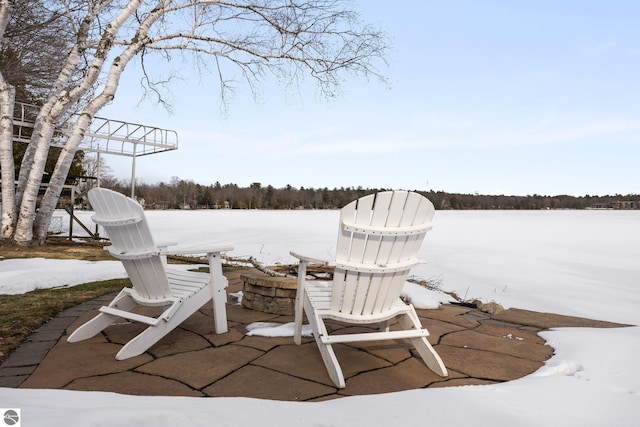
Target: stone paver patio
<point>476,347</point>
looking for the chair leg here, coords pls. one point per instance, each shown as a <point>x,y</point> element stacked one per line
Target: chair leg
<point>299,303</point>
<point>141,342</point>
<point>330,362</point>
<point>326,350</point>
<point>219,284</point>
<point>428,354</point>
<point>144,340</point>
<point>102,320</point>
<point>92,327</point>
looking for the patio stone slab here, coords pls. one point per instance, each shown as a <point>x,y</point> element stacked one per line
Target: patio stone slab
<point>551,320</point>
<point>304,361</point>
<point>265,343</point>
<point>509,344</point>
<point>263,383</point>
<point>407,375</point>
<point>486,365</point>
<point>178,341</point>
<point>67,362</point>
<point>200,368</point>
<point>135,384</point>
<point>511,331</point>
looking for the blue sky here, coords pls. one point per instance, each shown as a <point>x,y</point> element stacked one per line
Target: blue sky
<point>495,97</point>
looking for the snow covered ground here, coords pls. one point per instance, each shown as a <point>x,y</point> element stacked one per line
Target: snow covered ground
<point>580,263</point>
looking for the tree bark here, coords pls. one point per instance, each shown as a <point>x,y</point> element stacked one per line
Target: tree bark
<point>35,156</point>
<point>7,102</point>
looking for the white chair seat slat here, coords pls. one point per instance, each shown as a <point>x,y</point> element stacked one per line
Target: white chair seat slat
<point>187,277</point>
<point>185,291</point>
<point>187,283</point>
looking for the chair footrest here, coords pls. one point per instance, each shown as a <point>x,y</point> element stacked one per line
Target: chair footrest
<point>130,316</point>
<point>374,336</point>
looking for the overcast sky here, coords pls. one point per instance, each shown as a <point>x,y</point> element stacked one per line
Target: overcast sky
<point>494,96</point>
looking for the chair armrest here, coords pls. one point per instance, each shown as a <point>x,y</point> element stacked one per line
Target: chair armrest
<point>163,245</point>
<point>311,260</point>
<point>197,250</point>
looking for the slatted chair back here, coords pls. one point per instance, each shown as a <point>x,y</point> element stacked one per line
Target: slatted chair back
<point>378,242</point>
<point>124,222</point>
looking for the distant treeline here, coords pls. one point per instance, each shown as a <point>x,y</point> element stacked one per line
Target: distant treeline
<point>187,194</point>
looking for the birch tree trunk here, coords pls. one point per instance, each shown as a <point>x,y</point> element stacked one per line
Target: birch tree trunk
<point>7,103</point>
<point>81,125</point>
<point>35,156</point>
<point>33,228</point>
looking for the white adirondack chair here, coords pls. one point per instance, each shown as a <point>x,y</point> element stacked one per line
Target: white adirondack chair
<point>379,238</point>
<point>155,283</point>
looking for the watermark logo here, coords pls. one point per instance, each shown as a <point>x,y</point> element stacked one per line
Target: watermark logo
<point>10,417</point>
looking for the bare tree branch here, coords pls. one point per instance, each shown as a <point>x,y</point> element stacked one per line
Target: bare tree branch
<point>322,39</point>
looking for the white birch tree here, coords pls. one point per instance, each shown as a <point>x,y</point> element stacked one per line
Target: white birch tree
<point>318,38</point>
<point>34,40</point>
<point>7,102</point>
